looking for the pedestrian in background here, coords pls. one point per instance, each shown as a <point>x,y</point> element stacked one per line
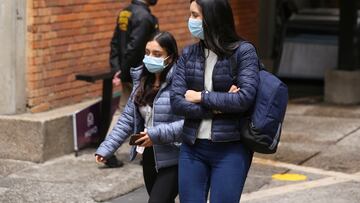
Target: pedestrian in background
<point>134,27</point>
<point>149,113</point>
<point>212,156</point>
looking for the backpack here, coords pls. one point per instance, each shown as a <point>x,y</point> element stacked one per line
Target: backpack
<point>262,128</point>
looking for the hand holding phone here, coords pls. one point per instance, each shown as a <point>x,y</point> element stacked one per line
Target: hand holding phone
<point>135,137</point>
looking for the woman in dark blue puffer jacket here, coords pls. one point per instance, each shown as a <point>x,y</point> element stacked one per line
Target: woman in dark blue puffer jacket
<point>149,113</point>
<point>212,156</point>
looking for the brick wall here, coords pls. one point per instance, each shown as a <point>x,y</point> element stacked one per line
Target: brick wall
<point>66,37</point>
<point>246,15</point>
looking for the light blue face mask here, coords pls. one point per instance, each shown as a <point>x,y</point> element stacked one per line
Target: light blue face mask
<point>196,28</point>
<point>154,64</point>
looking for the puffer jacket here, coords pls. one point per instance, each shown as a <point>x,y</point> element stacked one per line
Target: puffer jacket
<point>166,130</point>
<point>189,75</point>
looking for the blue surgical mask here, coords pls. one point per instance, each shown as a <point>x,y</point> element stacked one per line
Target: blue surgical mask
<point>196,28</point>
<point>154,64</point>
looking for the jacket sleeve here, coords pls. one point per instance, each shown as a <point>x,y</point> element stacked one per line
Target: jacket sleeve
<point>122,130</point>
<point>247,81</point>
<point>179,87</point>
<point>142,30</point>
<point>115,49</point>
<point>166,133</point>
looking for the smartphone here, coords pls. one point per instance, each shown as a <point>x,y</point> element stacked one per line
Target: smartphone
<point>135,137</point>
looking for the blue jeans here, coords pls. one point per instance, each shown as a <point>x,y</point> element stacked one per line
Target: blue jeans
<point>220,167</point>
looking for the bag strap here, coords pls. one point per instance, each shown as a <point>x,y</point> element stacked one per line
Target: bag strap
<point>233,64</point>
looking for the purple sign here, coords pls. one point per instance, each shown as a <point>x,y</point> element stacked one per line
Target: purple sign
<point>87,124</point>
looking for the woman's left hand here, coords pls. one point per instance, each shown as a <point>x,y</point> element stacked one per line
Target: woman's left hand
<point>145,140</point>
<point>193,96</point>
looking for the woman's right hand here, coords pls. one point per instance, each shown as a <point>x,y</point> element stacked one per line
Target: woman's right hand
<point>234,89</point>
<point>116,80</point>
<point>100,159</point>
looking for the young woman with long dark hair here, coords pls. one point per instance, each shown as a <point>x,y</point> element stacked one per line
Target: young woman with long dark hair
<point>212,156</point>
<point>149,113</point>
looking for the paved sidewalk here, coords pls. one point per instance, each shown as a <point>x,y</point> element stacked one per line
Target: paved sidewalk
<point>319,141</point>
<point>67,179</point>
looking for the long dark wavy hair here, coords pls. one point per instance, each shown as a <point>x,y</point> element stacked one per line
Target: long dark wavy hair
<point>145,93</point>
<point>219,27</point>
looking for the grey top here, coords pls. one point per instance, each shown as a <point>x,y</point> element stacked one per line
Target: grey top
<point>146,114</point>
<point>205,126</point>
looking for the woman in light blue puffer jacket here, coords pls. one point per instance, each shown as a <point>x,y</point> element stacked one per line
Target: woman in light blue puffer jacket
<point>149,113</point>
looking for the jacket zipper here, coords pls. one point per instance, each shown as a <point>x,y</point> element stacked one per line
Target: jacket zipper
<point>152,121</point>
<point>198,129</point>
<point>212,78</point>
<point>212,123</point>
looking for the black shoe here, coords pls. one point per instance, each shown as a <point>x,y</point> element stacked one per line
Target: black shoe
<point>113,162</point>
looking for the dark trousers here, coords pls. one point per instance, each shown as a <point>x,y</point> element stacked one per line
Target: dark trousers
<point>219,167</point>
<point>162,186</point>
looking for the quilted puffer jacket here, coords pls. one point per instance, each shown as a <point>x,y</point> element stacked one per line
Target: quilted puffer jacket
<point>166,130</point>
<point>189,75</point>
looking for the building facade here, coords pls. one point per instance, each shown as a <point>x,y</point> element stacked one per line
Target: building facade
<point>45,43</point>
<point>56,39</point>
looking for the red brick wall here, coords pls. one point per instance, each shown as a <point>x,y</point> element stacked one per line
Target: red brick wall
<point>66,37</point>
<point>246,15</point>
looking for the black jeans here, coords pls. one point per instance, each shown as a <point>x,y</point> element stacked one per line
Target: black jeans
<point>162,186</point>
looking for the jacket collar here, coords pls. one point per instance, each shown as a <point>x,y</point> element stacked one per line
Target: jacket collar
<point>170,74</point>
<point>141,3</point>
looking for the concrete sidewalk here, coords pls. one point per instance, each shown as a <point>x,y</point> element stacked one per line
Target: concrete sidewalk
<point>67,179</point>
<point>319,141</point>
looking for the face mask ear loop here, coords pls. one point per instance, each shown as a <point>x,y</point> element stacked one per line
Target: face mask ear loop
<point>165,60</point>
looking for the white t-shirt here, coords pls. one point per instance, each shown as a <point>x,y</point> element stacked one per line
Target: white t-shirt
<point>205,126</point>
<point>146,113</point>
